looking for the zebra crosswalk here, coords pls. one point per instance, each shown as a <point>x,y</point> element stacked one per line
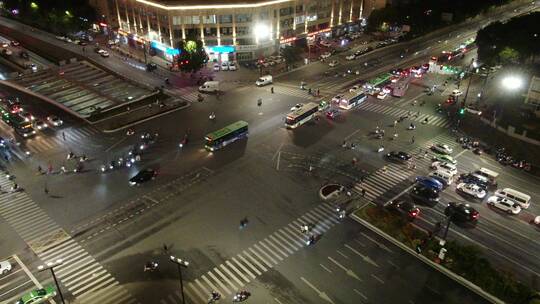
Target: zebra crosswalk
<point>239,270</point>
<point>433,120</point>
<point>82,275</point>
<point>381,184</point>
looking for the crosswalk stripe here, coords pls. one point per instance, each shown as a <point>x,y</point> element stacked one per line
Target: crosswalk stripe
<point>316,221</point>
<point>265,244</point>
<point>225,278</point>
<point>242,266</point>
<point>279,244</point>
<point>93,286</point>
<point>62,246</point>
<point>66,269</point>
<point>38,224</point>
<point>331,218</point>
<point>293,231</point>
<point>202,287</point>
<point>210,283</point>
<point>194,293</point>
<point>259,257</point>
<point>278,234</point>
<point>18,209</point>
<point>241,274</point>
<point>241,257</point>
<point>66,255</point>
<point>112,293</point>
<point>285,234</point>
<point>223,287</point>
<point>88,267</point>
<point>91,275</point>
<point>32,236</point>
<point>231,275</point>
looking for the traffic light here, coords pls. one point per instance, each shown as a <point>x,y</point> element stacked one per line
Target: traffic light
<point>461,111</point>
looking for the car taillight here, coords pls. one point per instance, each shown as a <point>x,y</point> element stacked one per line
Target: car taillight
<point>414,213</point>
<point>475,215</point>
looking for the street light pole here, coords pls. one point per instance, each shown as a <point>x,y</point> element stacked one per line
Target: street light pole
<point>469,83</point>
<point>180,263</point>
<point>50,266</point>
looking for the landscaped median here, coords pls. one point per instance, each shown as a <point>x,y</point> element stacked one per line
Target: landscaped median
<point>461,262</point>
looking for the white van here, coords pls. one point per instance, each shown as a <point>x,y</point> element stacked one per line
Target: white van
<point>209,87</point>
<point>444,175</point>
<point>520,198</point>
<point>264,80</point>
<point>489,174</point>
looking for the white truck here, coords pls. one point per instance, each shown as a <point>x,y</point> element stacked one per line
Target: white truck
<point>209,87</point>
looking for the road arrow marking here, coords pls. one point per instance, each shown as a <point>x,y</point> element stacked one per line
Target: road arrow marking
<point>364,257</point>
<point>321,294</point>
<point>349,272</point>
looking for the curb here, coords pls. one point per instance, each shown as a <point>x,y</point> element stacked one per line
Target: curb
<point>459,279</point>
<point>146,119</point>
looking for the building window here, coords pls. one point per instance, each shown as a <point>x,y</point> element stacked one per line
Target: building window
<point>299,8</point>
<point>311,18</point>
<point>177,20</point>
<point>210,42</point>
<point>245,41</point>
<point>243,18</point>
<point>210,31</point>
<point>299,19</point>
<point>211,19</point>
<point>242,30</point>
<point>226,42</point>
<point>225,18</point>
<point>286,11</point>
<point>226,30</point>
<point>191,20</point>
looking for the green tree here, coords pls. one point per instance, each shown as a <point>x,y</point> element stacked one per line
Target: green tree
<point>192,56</point>
<point>291,54</point>
<point>508,55</point>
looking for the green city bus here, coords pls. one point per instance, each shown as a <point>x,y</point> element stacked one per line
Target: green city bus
<point>222,137</point>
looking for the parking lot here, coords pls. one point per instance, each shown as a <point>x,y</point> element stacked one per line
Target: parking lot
<point>17,281</point>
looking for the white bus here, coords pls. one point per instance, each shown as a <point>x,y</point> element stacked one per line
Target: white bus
<point>304,114</point>
<point>352,99</point>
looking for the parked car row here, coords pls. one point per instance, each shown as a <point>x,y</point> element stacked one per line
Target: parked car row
<point>225,66</point>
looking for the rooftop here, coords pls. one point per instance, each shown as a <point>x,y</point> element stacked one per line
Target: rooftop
<point>208,4</point>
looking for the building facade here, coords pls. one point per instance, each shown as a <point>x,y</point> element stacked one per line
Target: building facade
<point>229,29</point>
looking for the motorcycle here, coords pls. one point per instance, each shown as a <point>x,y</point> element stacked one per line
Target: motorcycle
<point>241,296</point>
<point>130,132</point>
<point>200,98</point>
<point>212,116</point>
<point>150,266</point>
<point>305,228</point>
<point>381,148</point>
<point>215,296</point>
<point>313,239</point>
<point>411,127</point>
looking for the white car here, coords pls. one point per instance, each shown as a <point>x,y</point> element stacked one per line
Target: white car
<point>232,66</point>
<point>473,110</point>
<point>382,95</point>
<point>333,63</point>
<point>40,124</point>
<point>5,267</point>
<point>472,190</point>
<point>354,88</point>
<point>337,98</point>
<point>351,57</point>
<point>326,55</point>
<point>103,53</point>
<point>504,204</point>
<point>456,93</point>
<point>297,106</point>
<point>443,149</point>
<point>54,120</point>
<point>224,66</point>
<point>216,67</point>
<point>444,166</point>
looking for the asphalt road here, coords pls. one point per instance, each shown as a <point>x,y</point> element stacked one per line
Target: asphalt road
<point>195,204</point>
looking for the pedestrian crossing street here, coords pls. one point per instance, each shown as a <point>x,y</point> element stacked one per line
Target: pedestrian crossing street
<point>434,120</point>
<point>80,273</point>
<point>233,274</point>
<point>380,185</point>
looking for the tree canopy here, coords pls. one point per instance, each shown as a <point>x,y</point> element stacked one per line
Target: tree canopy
<point>515,41</point>
<point>426,15</point>
<point>192,55</point>
<point>59,16</point>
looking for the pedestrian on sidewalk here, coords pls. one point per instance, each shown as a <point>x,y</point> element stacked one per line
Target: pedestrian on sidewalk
<point>63,135</point>
<point>363,192</point>
<point>318,92</point>
<point>412,139</point>
<point>272,90</point>
<point>46,190</point>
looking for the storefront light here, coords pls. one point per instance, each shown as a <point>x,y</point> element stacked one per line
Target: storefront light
<point>262,31</point>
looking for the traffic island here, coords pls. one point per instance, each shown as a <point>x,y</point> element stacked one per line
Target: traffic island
<point>463,263</point>
<point>330,191</point>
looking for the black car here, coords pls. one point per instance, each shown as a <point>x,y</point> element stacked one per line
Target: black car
<point>398,155</point>
<point>424,195</point>
<point>143,176</point>
<point>405,207</point>
<point>460,212</point>
<point>470,178</point>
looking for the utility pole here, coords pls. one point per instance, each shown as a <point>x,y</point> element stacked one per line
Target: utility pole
<point>180,263</point>
<point>50,266</point>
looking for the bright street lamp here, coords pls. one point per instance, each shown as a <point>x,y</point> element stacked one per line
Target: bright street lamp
<point>262,31</point>
<point>50,266</point>
<point>512,82</point>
